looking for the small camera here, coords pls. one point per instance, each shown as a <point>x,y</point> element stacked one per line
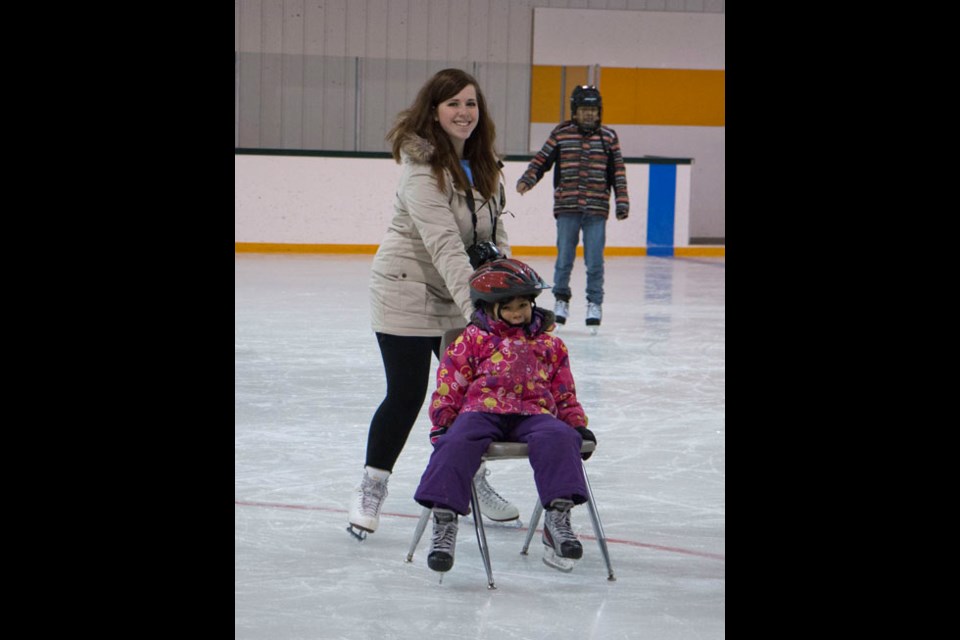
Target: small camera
<point>482,253</point>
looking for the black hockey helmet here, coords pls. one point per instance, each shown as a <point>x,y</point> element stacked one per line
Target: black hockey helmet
<point>504,279</point>
<point>586,95</point>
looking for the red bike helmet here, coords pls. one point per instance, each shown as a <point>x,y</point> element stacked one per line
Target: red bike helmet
<point>504,279</point>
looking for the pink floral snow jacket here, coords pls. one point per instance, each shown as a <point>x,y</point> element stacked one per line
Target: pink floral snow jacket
<point>494,367</point>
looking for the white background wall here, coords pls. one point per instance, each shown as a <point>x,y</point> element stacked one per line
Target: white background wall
<point>324,200</point>
<point>296,59</point>
<point>629,39</point>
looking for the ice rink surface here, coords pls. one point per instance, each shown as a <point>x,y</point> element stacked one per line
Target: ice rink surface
<point>308,378</point>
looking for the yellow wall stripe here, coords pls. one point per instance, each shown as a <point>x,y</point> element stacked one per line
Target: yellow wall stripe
<point>702,252</point>
<point>676,97</point>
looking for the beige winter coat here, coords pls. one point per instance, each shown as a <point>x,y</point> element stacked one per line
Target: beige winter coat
<point>419,282</point>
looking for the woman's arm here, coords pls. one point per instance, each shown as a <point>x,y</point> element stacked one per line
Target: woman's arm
<point>435,220</point>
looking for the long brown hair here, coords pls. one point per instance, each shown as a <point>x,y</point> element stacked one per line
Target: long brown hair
<point>419,120</point>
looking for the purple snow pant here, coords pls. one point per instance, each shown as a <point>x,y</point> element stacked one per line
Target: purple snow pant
<point>554,456</point>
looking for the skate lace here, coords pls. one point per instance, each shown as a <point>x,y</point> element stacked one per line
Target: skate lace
<point>372,494</point>
<point>593,310</point>
<point>558,525</point>
<point>488,496</point>
<point>444,533</point>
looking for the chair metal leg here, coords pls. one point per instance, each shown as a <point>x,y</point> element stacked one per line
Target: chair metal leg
<point>597,527</point>
<point>481,534</point>
<point>534,521</point>
<point>594,518</point>
<point>503,451</point>
<point>421,525</point>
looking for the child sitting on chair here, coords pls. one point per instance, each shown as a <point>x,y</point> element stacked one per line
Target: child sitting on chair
<point>505,378</point>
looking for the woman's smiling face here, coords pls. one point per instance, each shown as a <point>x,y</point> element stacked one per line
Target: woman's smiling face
<point>458,116</point>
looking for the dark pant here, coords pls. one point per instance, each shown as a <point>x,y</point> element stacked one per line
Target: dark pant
<point>554,456</point>
<point>406,363</point>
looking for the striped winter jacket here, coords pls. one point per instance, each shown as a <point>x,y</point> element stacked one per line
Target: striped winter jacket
<point>494,367</point>
<point>587,166</point>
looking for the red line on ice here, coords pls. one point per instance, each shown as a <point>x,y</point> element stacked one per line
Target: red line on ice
<point>631,543</point>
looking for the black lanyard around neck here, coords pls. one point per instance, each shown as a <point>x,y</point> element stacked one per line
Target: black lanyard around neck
<point>473,213</point>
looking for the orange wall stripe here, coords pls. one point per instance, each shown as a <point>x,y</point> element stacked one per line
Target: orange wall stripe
<point>677,97</point>
<point>544,94</point>
<point>545,89</point>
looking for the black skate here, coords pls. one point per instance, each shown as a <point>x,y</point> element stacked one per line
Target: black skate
<point>561,544</point>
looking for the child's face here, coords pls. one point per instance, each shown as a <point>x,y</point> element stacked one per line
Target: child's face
<point>518,311</point>
<point>587,116</point>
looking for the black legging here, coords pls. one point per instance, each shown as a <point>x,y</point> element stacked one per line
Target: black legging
<point>406,362</point>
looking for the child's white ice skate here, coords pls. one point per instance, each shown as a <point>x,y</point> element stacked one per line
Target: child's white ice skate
<point>594,314</point>
<point>561,310</point>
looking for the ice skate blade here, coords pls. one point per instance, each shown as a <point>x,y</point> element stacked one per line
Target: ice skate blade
<point>594,330</point>
<point>552,560</point>
<point>357,532</point>
<point>516,523</point>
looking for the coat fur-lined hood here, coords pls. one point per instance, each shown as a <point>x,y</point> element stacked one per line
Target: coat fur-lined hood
<point>420,275</point>
<point>419,150</point>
